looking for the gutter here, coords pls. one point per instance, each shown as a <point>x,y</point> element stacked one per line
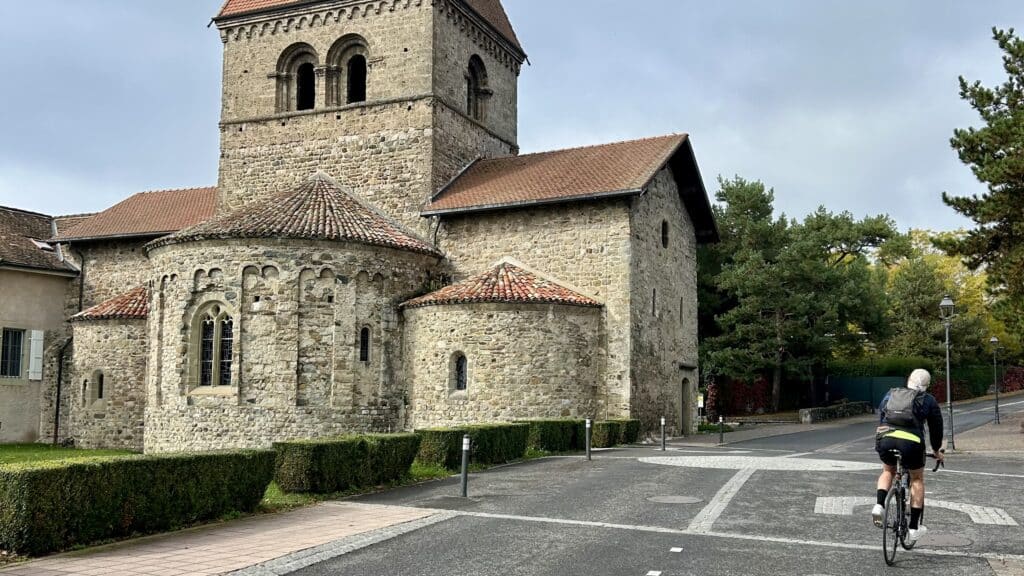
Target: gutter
<point>531,203</point>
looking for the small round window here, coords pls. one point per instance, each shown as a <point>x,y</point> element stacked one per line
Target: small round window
<point>664,233</point>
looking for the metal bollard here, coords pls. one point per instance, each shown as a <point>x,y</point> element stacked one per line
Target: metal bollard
<point>721,430</point>
<point>662,433</point>
<point>588,439</point>
<point>465,466</point>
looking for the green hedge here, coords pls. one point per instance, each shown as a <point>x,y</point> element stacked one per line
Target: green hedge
<point>629,431</point>
<point>489,444</point>
<point>48,506</point>
<point>336,464</point>
<point>554,435</point>
<point>606,433</point>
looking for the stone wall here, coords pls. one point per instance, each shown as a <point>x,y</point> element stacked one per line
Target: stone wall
<point>584,245</point>
<point>524,361</point>
<point>109,269</point>
<point>663,289</point>
<point>117,349</point>
<point>297,308</point>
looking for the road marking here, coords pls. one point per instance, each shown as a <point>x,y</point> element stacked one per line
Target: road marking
<point>843,506</point>
<point>654,573</point>
<point>676,550</point>
<point>732,536</point>
<point>992,408</point>
<point>797,455</point>
<point>944,471</point>
<point>727,462</point>
<point>843,446</point>
<point>707,517</point>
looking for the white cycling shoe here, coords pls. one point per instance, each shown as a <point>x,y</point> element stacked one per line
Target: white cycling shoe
<point>877,513</point>
<point>914,535</point>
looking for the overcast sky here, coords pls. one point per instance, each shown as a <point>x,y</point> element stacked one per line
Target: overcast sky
<point>847,104</point>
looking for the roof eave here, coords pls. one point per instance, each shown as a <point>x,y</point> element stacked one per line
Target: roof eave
<point>134,236</point>
<point>70,273</point>
<point>530,203</point>
<point>697,202</point>
<point>260,11</point>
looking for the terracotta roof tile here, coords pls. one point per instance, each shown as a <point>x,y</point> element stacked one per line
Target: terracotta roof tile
<point>505,283</point>
<point>490,10</point>
<point>561,175</point>
<point>318,209</point>
<point>132,305</point>
<point>18,229</point>
<point>148,214</point>
<point>69,221</point>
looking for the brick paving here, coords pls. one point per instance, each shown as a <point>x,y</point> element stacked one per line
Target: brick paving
<point>237,545</point>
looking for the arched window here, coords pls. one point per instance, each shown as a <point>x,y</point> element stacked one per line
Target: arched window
<point>296,78</point>
<point>213,337</point>
<point>357,79</point>
<point>347,71</point>
<point>305,94</point>
<point>364,345</point>
<point>477,91</point>
<point>664,233</point>
<point>460,372</point>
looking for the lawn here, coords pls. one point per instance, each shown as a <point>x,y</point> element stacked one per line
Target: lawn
<point>18,453</point>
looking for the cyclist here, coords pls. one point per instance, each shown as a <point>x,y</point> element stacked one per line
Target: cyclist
<point>904,413</point>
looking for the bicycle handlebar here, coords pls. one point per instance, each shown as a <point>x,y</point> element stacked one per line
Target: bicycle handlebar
<point>938,463</point>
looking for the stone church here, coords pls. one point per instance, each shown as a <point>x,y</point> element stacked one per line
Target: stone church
<point>377,255</point>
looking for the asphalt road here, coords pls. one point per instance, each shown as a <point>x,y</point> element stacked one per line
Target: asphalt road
<point>796,504</point>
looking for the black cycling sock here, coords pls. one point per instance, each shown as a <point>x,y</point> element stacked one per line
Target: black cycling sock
<point>915,517</point>
<point>881,497</point>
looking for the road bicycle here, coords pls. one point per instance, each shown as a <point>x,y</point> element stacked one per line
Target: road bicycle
<point>897,512</point>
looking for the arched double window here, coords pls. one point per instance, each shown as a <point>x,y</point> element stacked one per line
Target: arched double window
<point>477,91</point>
<point>296,78</point>
<point>347,71</point>
<point>213,340</point>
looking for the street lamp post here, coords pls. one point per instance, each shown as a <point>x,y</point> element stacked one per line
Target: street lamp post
<point>995,371</point>
<point>947,308</point>
<point>872,350</point>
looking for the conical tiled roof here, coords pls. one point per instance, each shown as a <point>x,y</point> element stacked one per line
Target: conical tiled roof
<point>318,209</point>
<point>505,283</point>
<point>132,305</point>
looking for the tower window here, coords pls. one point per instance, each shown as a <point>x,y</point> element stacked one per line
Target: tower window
<point>364,345</point>
<point>664,233</point>
<point>477,92</point>
<point>306,87</point>
<point>357,79</point>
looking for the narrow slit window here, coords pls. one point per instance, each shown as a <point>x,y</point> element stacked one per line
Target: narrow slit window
<point>461,376</point>
<point>99,386</point>
<point>364,345</point>
<point>654,303</point>
<point>306,87</point>
<point>357,79</point>
<point>664,234</point>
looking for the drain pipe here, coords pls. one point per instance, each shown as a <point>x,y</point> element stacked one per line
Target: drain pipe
<point>60,378</point>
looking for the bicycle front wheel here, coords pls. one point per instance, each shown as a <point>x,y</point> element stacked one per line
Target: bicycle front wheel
<point>891,528</point>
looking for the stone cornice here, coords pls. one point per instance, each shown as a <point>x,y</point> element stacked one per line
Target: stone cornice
<point>482,34</point>
<point>298,17</point>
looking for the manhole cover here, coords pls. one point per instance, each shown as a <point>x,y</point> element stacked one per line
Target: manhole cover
<point>675,499</point>
<point>946,541</point>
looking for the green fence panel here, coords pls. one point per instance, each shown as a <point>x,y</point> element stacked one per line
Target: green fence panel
<point>862,389</point>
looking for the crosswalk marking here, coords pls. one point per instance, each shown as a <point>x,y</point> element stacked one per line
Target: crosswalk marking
<point>843,506</point>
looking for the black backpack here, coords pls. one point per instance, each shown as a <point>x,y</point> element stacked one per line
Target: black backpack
<point>899,410</point>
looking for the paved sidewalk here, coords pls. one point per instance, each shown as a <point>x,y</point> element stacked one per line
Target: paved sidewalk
<point>225,548</point>
<point>1008,436</point>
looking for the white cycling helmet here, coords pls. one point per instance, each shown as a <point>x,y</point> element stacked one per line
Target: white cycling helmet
<point>919,380</point>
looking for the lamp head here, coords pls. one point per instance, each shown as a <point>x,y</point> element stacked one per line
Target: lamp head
<point>946,307</point>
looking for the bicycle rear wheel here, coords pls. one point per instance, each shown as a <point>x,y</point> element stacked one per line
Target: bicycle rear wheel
<point>891,528</point>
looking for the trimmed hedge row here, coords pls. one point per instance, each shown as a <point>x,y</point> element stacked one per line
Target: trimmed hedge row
<point>336,464</point>
<point>489,444</point>
<point>554,435</point>
<point>48,506</point>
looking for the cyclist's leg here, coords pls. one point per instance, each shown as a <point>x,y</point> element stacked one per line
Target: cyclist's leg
<point>913,457</point>
<point>884,447</point>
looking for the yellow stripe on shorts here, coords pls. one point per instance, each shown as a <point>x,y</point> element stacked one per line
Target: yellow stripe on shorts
<point>904,436</point>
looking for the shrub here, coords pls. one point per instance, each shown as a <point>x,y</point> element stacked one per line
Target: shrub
<point>629,431</point>
<point>554,435</point>
<point>336,464</point>
<point>48,506</point>
<point>489,444</point>
<point>605,434</point>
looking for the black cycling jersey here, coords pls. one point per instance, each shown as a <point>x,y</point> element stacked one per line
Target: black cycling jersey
<point>927,410</point>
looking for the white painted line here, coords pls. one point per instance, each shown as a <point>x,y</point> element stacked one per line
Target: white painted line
<point>992,408</point>
<point>729,462</point>
<point>654,573</point>
<point>843,506</point>
<point>944,471</point>
<point>747,537</point>
<point>707,517</point>
<point>797,455</point>
<point>676,550</point>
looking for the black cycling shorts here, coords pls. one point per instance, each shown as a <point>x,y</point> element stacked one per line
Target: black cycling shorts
<point>912,452</point>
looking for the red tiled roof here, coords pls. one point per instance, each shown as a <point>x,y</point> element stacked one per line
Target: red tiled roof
<point>18,229</point>
<point>505,283</point>
<point>490,10</point>
<point>318,209</point>
<point>576,173</point>
<point>148,214</point>
<point>69,221</point>
<point>132,305</point>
